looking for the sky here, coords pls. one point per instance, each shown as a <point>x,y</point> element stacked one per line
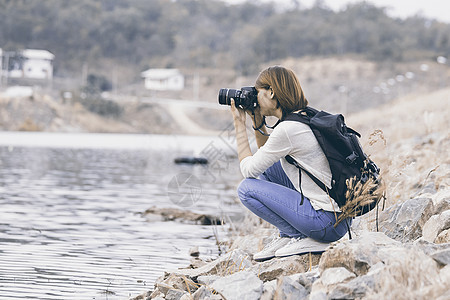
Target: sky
<point>435,9</point>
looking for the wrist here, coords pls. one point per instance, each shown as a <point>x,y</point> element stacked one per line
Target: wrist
<point>238,124</point>
<point>257,118</point>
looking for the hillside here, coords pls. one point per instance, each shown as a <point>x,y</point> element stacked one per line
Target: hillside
<point>336,84</point>
<point>41,112</point>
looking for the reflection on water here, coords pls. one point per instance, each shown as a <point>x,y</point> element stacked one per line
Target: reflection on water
<point>70,226</point>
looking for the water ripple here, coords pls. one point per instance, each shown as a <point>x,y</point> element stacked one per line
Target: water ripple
<point>71,228</point>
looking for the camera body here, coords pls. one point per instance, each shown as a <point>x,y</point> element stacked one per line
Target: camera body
<point>245,98</point>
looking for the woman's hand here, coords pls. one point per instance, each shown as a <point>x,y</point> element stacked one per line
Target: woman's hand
<point>239,115</point>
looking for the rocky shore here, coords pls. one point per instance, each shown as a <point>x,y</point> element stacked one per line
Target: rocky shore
<point>408,256</point>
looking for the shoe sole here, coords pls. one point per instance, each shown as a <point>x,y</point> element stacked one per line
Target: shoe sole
<point>263,259</point>
<point>302,253</point>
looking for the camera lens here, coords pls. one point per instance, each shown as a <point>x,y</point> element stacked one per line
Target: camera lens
<point>225,96</point>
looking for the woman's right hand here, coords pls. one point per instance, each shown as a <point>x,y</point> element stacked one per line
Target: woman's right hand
<point>238,114</point>
<point>243,145</point>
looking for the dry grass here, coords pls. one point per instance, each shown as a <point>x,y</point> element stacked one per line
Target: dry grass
<point>410,144</point>
<point>361,195</point>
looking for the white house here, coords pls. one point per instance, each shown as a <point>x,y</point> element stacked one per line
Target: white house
<point>32,63</point>
<point>163,79</point>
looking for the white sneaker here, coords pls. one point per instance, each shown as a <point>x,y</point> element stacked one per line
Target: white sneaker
<point>301,246</point>
<point>269,250</point>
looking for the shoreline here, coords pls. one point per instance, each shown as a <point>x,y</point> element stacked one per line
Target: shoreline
<point>362,267</point>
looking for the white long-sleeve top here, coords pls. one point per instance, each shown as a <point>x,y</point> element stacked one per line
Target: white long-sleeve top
<point>297,140</point>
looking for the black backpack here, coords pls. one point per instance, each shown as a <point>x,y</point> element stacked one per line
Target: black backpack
<point>350,167</point>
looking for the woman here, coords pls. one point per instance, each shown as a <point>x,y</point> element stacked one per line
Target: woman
<point>304,226</point>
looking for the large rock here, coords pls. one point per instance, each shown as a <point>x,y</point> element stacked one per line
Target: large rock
<point>344,284</point>
<point>232,262</point>
<point>276,267</point>
<point>307,279</point>
<point>435,225</point>
<point>288,288</point>
<point>441,200</point>
<point>175,295</point>
<point>428,248</point>
<point>399,272</point>
<point>385,269</point>
<point>289,284</point>
<point>238,286</point>
<point>442,257</point>
<point>404,221</point>
<point>174,282</point>
<point>336,275</point>
<point>269,290</point>
<point>359,254</point>
<point>204,293</point>
<point>174,214</point>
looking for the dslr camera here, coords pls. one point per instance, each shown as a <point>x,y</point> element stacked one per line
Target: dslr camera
<point>245,98</point>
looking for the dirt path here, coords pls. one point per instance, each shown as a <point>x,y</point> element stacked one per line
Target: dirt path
<point>185,123</point>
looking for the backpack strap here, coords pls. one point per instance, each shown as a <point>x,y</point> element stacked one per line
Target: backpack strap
<point>292,161</point>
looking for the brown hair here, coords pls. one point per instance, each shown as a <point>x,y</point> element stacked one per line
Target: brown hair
<point>285,86</point>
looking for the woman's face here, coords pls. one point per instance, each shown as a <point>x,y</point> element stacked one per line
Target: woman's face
<point>267,104</point>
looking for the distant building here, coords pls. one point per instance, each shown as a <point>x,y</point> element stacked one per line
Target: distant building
<point>30,63</point>
<point>163,79</point>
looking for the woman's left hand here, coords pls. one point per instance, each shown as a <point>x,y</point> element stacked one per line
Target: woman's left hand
<point>239,114</point>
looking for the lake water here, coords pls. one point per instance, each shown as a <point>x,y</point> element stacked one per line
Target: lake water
<point>70,204</point>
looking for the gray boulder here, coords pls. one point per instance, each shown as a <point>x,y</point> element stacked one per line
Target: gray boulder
<point>277,267</point>
<point>336,275</point>
<point>288,288</point>
<point>404,221</point>
<point>205,293</point>
<point>358,287</point>
<point>428,247</point>
<point>238,286</point>
<point>385,269</point>
<point>235,261</point>
<point>359,254</point>
<point>442,257</point>
<point>269,290</point>
<point>435,225</point>
<point>308,278</point>
<point>175,294</point>
<point>441,201</point>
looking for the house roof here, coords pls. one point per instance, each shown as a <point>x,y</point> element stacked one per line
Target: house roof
<point>160,73</point>
<point>38,54</point>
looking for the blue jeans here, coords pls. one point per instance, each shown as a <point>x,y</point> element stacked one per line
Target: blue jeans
<point>273,198</point>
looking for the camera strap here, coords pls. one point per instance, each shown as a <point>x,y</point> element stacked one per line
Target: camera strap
<point>260,126</point>
<point>263,123</point>
<point>272,127</point>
